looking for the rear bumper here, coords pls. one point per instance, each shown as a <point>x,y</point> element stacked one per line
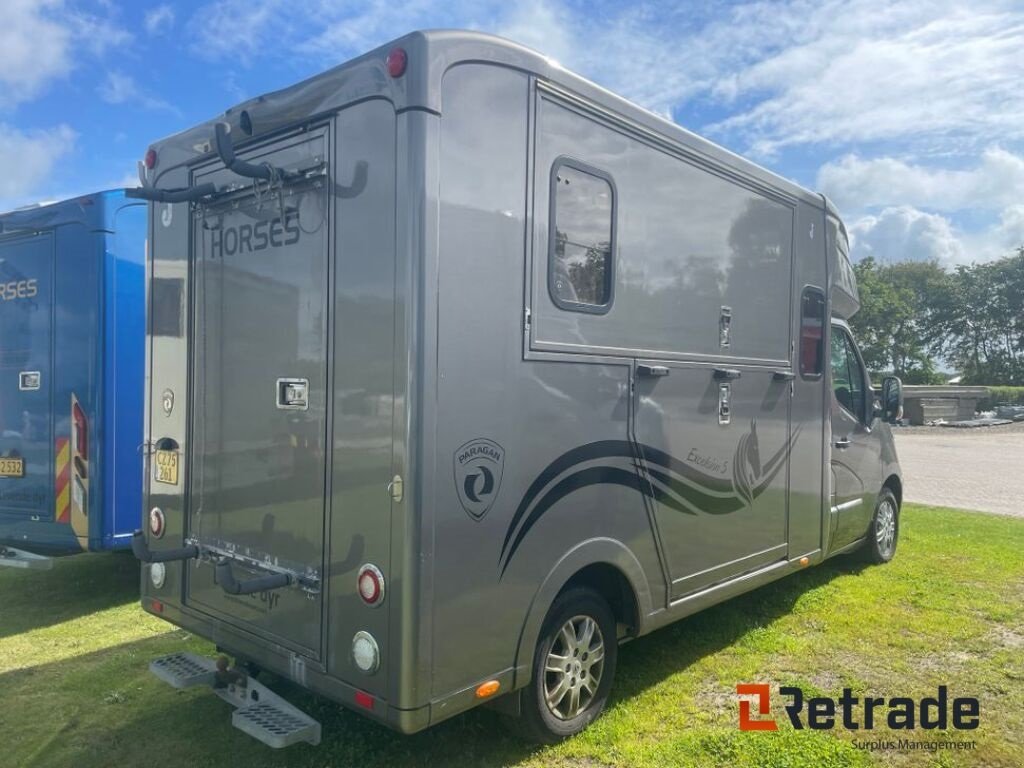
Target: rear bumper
<point>281,662</point>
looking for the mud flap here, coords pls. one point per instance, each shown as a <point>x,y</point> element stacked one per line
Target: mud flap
<point>259,712</point>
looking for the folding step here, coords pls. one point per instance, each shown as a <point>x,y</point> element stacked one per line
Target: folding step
<point>185,670</point>
<point>277,724</point>
<point>259,712</point>
<point>19,558</point>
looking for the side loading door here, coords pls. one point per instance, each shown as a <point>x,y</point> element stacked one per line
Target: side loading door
<point>715,443</point>
<point>855,458</point>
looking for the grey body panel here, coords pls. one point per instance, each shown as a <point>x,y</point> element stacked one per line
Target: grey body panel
<point>528,443</point>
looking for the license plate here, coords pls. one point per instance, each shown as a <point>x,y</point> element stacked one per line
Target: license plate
<point>167,467</point>
<point>12,467</point>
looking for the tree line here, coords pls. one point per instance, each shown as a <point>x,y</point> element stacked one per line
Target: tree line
<point>914,314</point>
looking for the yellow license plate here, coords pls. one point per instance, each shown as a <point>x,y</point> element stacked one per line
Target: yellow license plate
<point>12,467</point>
<point>167,467</point>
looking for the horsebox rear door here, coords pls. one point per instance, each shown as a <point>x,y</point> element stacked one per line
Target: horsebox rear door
<point>259,391</point>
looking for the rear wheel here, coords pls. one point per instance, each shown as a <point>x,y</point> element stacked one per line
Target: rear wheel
<point>573,667</point>
<point>884,533</point>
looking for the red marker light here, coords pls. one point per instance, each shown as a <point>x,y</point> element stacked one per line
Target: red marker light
<point>157,606</point>
<point>370,584</point>
<point>397,61</point>
<point>150,159</point>
<point>364,700</point>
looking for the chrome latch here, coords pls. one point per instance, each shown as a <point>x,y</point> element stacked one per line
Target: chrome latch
<point>293,394</point>
<point>724,403</point>
<point>29,381</point>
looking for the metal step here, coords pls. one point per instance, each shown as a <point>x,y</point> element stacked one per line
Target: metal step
<point>277,724</point>
<point>19,558</point>
<point>185,670</point>
<point>259,711</point>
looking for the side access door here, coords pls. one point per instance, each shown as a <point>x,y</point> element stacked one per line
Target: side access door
<point>856,460</point>
<point>258,433</point>
<point>27,479</point>
<point>715,444</point>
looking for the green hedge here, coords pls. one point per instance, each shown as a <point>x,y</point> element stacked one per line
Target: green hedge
<point>1002,396</point>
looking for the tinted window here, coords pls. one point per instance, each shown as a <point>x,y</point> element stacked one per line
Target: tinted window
<point>583,206</point>
<point>812,333</point>
<point>166,300</point>
<point>847,374</point>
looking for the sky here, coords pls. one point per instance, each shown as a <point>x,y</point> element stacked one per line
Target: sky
<point>908,115</point>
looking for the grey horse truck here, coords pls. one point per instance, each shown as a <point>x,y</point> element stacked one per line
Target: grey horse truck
<point>462,371</point>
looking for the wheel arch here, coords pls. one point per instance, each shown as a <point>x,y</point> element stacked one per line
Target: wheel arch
<point>603,564</point>
<point>895,484</point>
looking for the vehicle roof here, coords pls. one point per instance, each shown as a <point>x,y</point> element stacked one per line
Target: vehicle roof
<point>431,54</point>
<point>89,210</point>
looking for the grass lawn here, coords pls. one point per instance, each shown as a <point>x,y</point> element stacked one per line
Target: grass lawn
<point>75,690</point>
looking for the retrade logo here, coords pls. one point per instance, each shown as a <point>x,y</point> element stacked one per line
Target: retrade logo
<point>855,713</point>
<point>478,469</point>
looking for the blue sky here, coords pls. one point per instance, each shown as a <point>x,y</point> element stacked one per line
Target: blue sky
<point>909,115</point>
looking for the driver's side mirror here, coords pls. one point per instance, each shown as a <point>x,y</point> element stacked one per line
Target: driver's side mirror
<point>892,399</point>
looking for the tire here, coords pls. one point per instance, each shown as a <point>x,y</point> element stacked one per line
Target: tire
<point>884,531</point>
<point>587,613</point>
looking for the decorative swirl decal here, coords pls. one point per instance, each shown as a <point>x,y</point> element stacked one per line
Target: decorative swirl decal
<point>667,480</point>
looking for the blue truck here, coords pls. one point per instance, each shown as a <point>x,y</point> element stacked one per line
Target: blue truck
<point>72,359</point>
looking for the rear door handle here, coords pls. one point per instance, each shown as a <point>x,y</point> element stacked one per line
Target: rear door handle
<point>842,442</point>
<point>652,370</point>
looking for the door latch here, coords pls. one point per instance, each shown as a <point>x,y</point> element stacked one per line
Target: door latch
<point>724,403</point>
<point>725,327</point>
<point>29,381</point>
<point>293,394</point>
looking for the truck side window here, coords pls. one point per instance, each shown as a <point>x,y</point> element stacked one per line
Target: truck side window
<point>580,269</point>
<point>166,299</point>
<point>847,374</point>
<point>812,333</point>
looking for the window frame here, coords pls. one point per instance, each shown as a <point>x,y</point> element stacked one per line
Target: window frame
<point>578,165</point>
<point>851,348</point>
<point>825,324</point>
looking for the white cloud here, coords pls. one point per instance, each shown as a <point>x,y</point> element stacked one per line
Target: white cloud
<point>119,88</point>
<point>995,182</point>
<point>39,41</point>
<point>905,233</point>
<point>27,158</point>
<point>159,20</point>
<point>869,70</point>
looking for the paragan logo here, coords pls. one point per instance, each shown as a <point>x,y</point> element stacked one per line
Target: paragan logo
<point>478,469</point>
<point>854,713</point>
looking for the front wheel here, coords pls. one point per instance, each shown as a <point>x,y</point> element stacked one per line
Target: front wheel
<point>573,667</point>
<point>884,532</point>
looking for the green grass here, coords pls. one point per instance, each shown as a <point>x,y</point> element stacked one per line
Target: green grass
<point>74,689</point>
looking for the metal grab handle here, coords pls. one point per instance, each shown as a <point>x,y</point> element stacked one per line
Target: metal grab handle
<point>183,195</point>
<point>783,376</point>
<point>226,578</point>
<point>727,374</point>
<point>842,442</point>
<point>142,551</point>
<point>226,152</point>
<point>652,370</point>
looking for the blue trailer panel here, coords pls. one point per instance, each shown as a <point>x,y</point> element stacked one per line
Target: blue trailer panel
<point>72,332</point>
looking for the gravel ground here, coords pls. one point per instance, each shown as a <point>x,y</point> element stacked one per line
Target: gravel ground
<point>981,468</point>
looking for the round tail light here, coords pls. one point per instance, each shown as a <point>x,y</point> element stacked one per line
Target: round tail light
<point>365,652</point>
<point>156,522</point>
<point>370,585</point>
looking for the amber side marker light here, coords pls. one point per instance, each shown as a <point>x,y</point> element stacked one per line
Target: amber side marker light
<point>805,561</point>
<point>487,689</point>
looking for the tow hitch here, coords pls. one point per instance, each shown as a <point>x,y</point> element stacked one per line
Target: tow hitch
<point>259,712</point>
